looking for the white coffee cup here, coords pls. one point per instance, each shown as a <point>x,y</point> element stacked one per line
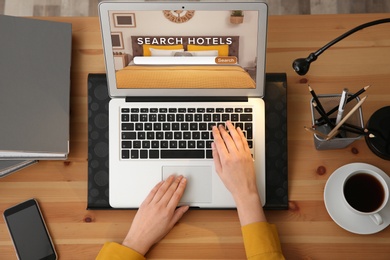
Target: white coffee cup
<point>366,192</point>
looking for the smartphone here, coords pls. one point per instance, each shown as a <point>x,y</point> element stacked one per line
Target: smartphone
<point>28,231</point>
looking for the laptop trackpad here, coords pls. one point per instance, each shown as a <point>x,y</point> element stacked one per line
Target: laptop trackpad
<point>198,188</point>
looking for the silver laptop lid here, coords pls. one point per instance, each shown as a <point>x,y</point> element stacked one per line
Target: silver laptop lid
<point>155,48</point>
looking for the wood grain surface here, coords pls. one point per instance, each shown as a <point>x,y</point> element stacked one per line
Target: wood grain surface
<point>306,229</point>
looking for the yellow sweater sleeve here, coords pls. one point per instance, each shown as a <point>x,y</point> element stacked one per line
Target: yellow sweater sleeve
<point>261,241</point>
<point>115,251</point>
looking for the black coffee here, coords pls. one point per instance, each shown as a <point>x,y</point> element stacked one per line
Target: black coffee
<point>364,192</point>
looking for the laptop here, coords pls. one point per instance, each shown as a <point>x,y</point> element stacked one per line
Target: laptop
<point>175,69</point>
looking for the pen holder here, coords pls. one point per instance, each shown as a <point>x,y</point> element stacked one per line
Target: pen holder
<point>344,138</point>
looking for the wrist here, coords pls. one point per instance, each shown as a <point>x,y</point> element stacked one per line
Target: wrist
<point>250,209</point>
<point>137,246</point>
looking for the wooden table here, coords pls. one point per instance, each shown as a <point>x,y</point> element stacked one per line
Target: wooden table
<point>306,229</point>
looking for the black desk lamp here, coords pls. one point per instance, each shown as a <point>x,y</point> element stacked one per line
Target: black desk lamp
<point>302,65</point>
<point>379,122</point>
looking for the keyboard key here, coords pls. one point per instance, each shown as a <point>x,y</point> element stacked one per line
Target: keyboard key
<point>193,126</point>
<point>177,135</point>
<point>173,144</point>
<point>182,144</point>
<point>139,126</point>
<point>189,117</point>
<point>191,144</point>
<point>126,144</point>
<point>145,144</point>
<point>175,126</point>
<point>198,117</point>
<point>125,110</point>
<point>200,144</point>
<point>134,154</point>
<point>207,117</point>
<point>127,126</point>
<point>159,135</point>
<point>234,117</point>
<point>180,117</point>
<point>125,118</point>
<point>249,130</point>
<point>246,117</point>
<point>143,154</point>
<point>164,144</point>
<point>168,135</point>
<point>186,135</point>
<point>154,154</point>
<point>152,117</point>
<point>141,135</point>
<point>129,135</point>
<point>143,117</point>
<point>148,126</point>
<point>184,126</point>
<point>182,154</point>
<point>202,126</point>
<point>136,144</point>
<point>162,117</point>
<point>125,154</point>
<point>155,144</point>
<point>156,126</point>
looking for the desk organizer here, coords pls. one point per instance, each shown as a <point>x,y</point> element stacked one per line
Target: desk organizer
<point>345,138</point>
<point>276,142</point>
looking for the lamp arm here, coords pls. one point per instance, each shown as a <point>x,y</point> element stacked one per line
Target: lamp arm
<point>345,35</point>
<point>302,65</point>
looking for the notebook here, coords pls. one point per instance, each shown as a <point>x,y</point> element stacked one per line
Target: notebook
<point>35,88</point>
<point>174,68</point>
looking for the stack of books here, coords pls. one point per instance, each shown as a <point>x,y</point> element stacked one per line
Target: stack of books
<point>35,61</point>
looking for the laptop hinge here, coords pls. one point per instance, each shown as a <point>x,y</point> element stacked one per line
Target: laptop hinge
<point>187,99</point>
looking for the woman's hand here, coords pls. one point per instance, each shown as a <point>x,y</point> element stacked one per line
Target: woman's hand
<point>157,215</point>
<point>234,165</point>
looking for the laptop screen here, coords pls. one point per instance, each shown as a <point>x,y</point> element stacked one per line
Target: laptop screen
<point>187,48</point>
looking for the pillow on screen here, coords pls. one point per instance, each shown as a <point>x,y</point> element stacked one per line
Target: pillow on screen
<point>223,50</point>
<point>182,53</point>
<point>146,48</point>
<point>204,53</point>
<point>158,52</point>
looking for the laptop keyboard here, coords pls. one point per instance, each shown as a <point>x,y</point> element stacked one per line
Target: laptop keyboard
<point>177,133</point>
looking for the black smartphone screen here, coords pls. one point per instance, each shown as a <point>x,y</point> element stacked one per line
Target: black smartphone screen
<point>28,231</point>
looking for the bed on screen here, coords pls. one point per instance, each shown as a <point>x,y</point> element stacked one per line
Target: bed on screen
<point>184,76</point>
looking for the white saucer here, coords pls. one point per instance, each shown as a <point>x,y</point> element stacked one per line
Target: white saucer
<point>345,218</point>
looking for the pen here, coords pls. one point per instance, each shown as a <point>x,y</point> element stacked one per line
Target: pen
<point>334,130</point>
<point>343,101</point>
